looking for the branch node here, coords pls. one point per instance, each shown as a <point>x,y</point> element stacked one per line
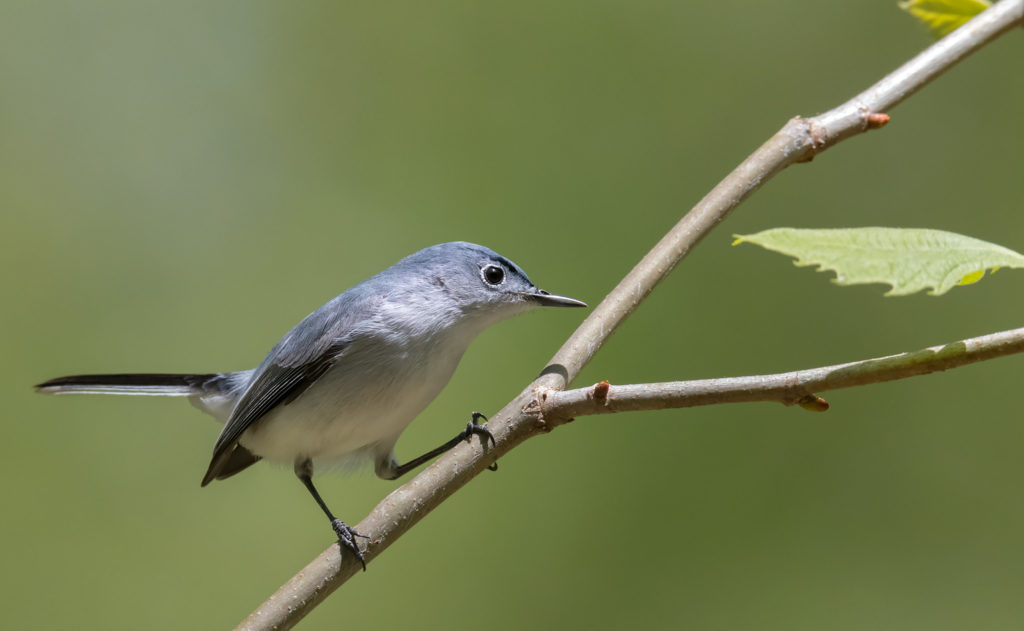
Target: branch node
<point>534,406</point>
<point>817,137</point>
<point>535,409</point>
<point>876,120</point>
<point>600,392</point>
<point>813,403</point>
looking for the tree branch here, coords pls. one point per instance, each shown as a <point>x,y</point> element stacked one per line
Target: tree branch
<point>788,388</point>
<point>798,141</point>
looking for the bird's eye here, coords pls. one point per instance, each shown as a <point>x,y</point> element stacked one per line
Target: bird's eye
<point>492,274</point>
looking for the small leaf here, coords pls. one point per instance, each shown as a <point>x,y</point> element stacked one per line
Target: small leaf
<point>972,278</point>
<point>942,17</point>
<point>908,259</point>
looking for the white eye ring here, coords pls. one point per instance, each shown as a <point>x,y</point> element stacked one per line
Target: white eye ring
<point>492,275</point>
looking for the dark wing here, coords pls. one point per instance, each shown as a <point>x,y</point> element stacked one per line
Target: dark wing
<point>298,360</point>
<point>275,385</point>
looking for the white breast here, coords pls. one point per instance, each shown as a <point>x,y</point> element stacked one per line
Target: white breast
<point>360,406</point>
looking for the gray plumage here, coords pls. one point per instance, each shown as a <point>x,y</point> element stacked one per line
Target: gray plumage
<point>346,380</point>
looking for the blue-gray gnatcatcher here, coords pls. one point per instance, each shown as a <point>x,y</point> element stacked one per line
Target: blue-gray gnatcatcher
<point>348,379</point>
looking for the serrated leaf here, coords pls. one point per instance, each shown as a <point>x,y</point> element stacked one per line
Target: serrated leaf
<point>942,17</point>
<point>908,259</point>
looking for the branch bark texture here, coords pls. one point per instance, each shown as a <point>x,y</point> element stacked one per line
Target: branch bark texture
<point>787,388</point>
<point>798,141</point>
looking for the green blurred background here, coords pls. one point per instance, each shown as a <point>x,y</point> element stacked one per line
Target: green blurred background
<point>181,182</point>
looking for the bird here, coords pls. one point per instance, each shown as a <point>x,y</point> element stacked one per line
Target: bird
<point>345,382</point>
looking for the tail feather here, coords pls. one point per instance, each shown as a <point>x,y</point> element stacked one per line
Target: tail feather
<point>154,384</point>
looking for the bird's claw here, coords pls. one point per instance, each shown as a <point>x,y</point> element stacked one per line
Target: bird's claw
<point>347,539</point>
<point>474,427</point>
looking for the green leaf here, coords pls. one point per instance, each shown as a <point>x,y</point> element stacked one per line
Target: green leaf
<point>908,259</point>
<point>942,17</point>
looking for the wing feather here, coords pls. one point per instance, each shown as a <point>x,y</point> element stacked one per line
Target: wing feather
<point>292,366</point>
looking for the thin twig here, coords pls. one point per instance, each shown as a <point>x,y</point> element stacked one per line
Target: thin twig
<point>788,388</point>
<point>798,141</point>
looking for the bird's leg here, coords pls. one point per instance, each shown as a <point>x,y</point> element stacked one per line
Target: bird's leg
<point>472,427</point>
<point>346,535</point>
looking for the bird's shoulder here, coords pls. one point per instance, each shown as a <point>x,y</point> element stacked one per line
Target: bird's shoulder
<point>328,330</point>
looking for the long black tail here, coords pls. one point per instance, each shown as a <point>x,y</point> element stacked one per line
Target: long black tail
<point>159,384</point>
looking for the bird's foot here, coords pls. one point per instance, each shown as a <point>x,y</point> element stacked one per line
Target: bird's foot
<point>474,427</point>
<point>347,539</point>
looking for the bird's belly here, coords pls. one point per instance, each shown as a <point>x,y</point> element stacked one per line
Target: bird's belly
<point>344,416</point>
